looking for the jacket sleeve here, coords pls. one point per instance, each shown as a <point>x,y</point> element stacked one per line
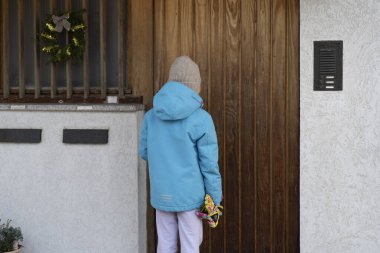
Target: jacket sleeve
<point>143,148</point>
<point>207,146</point>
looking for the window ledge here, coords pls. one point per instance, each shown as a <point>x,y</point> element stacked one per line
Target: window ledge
<point>73,107</point>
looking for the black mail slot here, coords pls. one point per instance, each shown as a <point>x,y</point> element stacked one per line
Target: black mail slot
<point>20,135</point>
<point>85,136</point>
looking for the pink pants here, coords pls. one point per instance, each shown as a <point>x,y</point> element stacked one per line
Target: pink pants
<point>186,223</point>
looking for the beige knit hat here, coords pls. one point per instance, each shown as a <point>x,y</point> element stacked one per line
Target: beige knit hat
<point>186,71</point>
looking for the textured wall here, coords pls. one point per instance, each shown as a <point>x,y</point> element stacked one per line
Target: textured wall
<point>75,198</point>
<point>340,131</point>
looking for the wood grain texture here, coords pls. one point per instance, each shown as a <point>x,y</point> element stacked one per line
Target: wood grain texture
<point>139,29</point>
<point>186,22</point>
<point>232,122</point>
<point>263,113</point>
<point>201,29</point>
<point>293,128</point>
<point>171,38</point>
<point>216,108</point>
<point>140,48</point>
<point>159,48</point>
<point>278,121</point>
<point>201,51</point>
<point>248,145</point>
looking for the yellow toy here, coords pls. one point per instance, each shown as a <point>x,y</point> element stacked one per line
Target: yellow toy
<point>210,212</point>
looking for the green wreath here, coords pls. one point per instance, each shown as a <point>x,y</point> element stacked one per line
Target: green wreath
<point>71,23</point>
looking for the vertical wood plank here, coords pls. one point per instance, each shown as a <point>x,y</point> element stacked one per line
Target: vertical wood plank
<point>201,55</point>
<point>201,50</point>
<point>36,48</point>
<point>69,81</point>
<point>159,48</point>
<point>166,38</point>
<point>103,59</point>
<point>263,75</point>
<point>120,47</point>
<point>86,77</point>
<point>186,20</point>
<point>216,108</point>
<point>20,31</point>
<point>140,45</point>
<point>293,129</point>
<point>171,35</point>
<point>232,127</point>
<point>278,131</point>
<point>53,68</point>
<point>248,128</point>
<point>140,49</point>
<point>5,47</point>
<point>159,56</point>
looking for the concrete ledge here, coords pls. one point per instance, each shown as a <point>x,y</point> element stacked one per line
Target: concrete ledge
<point>74,107</point>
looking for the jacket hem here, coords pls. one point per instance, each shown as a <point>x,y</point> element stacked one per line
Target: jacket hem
<point>177,208</point>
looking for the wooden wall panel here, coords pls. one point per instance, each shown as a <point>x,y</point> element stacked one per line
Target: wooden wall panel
<point>232,163</point>
<point>248,127</point>
<point>215,107</point>
<point>140,47</point>
<point>278,121</point>
<point>186,25</point>
<point>248,53</point>
<point>159,44</point>
<point>140,36</point>
<point>292,190</point>
<point>171,36</point>
<point>201,30</point>
<point>263,116</point>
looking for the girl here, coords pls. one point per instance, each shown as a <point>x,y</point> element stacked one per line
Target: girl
<point>178,140</point>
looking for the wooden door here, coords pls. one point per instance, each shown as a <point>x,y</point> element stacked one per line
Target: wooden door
<point>248,53</point>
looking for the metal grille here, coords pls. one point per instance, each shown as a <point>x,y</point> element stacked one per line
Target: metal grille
<point>25,69</point>
<point>328,65</point>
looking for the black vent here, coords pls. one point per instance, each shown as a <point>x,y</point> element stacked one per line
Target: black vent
<point>20,135</point>
<point>85,136</point>
<point>328,65</point>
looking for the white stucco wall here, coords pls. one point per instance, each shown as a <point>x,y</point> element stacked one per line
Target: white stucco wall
<point>74,198</point>
<point>340,131</point>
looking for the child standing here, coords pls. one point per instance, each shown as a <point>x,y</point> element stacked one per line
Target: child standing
<point>178,140</point>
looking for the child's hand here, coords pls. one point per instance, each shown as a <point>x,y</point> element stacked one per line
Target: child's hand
<point>210,212</point>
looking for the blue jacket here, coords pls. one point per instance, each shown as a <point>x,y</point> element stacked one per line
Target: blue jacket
<point>178,140</point>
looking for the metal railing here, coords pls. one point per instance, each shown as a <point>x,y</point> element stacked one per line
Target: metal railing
<point>51,89</point>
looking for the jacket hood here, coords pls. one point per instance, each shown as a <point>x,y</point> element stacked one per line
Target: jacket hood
<point>176,101</point>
